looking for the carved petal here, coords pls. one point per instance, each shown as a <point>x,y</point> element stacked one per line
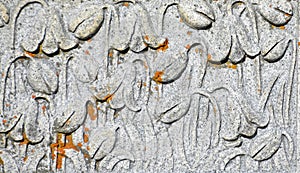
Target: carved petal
<point>277,12</point>
<point>196,13</point>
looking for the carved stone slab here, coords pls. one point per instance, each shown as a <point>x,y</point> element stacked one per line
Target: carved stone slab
<point>149,86</point>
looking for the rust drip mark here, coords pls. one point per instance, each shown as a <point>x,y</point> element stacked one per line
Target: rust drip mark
<point>25,140</point>
<point>108,98</point>
<point>188,46</point>
<point>158,76</point>
<point>92,112</point>
<point>86,129</point>
<point>79,144</point>
<point>209,57</point>
<point>230,65</point>
<point>146,37</point>
<point>85,138</point>
<point>44,108</point>
<point>33,96</point>
<point>60,146</point>
<point>111,54</point>
<point>25,158</point>
<point>163,47</point>
<point>87,52</point>
<point>32,55</point>
<point>126,4</point>
<point>298,43</point>
<point>1,162</point>
<point>89,40</point>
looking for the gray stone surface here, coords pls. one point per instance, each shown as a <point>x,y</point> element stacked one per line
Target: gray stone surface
<point>149,86</point>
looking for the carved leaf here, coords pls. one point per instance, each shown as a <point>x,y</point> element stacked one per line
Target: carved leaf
<point>219,41</point>
<point>246,38</point>
<point>176,112</point>
<point>32,131</point>
<point>35,24</point>
<point>122,28</point>
<point>4,14</point>
<point>115,157</point>
<point>41,76</point>
<point>73,115</point>
<point>84,68</point>
<point>196,13</point>
<point>274,44</point>
<point>171,70</point>
<point>102,142</point>
<point>88,22</point>
<point>277,12</point>
<point>265,145</point>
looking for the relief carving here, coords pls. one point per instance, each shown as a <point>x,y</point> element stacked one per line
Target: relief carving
<point>151,86</point>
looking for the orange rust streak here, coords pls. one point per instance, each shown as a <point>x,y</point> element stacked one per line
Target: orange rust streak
<point>108,98</point>
<point>25,140</point>
<point>60,147</point>
<point>163,47</point>
<point>188,46</point>
<point>30,54</point>
<point>230,65</point>
<point>282,27</point>
<point>91,111</point>
<point>158,76</point>
<point>146,37</point>
<point>126,4</point>
<point>209,57</point>
<point>85,138</point>
<point>189,33</point>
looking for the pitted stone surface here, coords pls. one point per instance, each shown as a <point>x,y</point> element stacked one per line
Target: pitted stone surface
<point>149,86</point>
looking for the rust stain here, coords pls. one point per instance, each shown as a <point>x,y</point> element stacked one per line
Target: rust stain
<point>25,140</point>
<point>209,57</point>
<point>92,112</point>
<point>230,65</point>
<point>60,147</point>
<point>188,46</point>
<point>7,105</point>
<point>144,84</point>
<point>89,40</point>
<point>1,162</point>
<point>4,121</point>
<point>145,65</point>
<point>111,54</point>
<point>86,129</point>
<point>189,33</point>
<point>180,20</point>
<point>85,138</point>
<point>282,27</point>
<point>156,88</point>
<point>25,158</point>
<point>163,47</point>
<point>108,98</point>
<point>33,96</point>
<point>79,144</point>
<point>30,54</point>
<point>298,43</point>
<point>87,52</point>
<point>126,4</point>
<point>44,108</point>
<point>88,148</point>
<point>158,76</point>
<point>146,37</point>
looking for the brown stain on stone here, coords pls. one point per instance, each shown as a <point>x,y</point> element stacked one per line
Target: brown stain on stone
<point>60,146</point>
<point>163,47</point>
<point>158,76</point>
<point>25,140</point>
<point>92,112</point>
<point>85,138</point>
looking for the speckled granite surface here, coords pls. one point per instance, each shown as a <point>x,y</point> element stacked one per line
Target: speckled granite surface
<point>149,86</point>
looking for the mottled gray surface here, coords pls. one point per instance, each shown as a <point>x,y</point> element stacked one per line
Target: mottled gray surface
<point>149,86</point>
